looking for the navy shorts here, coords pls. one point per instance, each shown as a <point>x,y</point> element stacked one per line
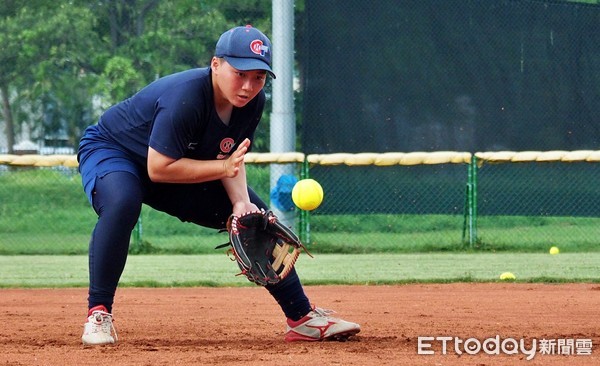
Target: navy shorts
<point>205,204</point>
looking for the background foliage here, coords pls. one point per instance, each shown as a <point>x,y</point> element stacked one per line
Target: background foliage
<point>63,62</point>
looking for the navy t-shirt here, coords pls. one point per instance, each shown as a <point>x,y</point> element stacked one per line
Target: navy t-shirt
<point>175,115</point>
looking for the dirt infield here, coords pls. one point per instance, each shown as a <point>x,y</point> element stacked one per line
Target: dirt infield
<point>235,326</point>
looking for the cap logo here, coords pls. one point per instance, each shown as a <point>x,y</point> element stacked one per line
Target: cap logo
<point>258,47</point>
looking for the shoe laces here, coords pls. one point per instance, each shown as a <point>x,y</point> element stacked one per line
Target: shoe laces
<point>105,321</point>
<point>323,312</point>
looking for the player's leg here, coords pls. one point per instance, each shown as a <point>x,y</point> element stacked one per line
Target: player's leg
<point>207,204</point>
<point>304,323</point>
<point>117,200</point>
<point>118,203</point>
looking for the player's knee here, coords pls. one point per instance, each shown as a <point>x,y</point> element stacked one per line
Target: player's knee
<point>128,207</point>
<point>124,202</point>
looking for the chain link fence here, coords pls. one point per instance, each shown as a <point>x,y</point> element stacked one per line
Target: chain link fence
<point>395,202</point>
<point>537,200</point>
<point>415,75</point>
<point>452,75</point>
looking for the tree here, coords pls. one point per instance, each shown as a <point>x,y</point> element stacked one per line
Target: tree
<point>58,57</point>
<point>46,51</point>
<point>149,39</point>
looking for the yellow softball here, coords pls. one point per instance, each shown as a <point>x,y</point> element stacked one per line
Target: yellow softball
<point>307,194</point>
<point>554,250</point>
<point>507,276</point>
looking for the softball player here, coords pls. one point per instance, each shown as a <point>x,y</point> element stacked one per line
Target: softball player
<point>178,145</point>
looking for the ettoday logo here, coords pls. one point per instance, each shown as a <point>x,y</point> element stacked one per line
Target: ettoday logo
<point>507,346</point>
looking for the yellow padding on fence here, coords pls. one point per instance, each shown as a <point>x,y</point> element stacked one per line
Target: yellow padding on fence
<point>361,159</point>
<point>333,159</point>
<point>286,157</point>
<point>580,155</point>
<point>25,160</point>
<point>343,158</point>
<point>446,157</point>
<point>71,160</point>
<point>383,159</point>
<point>539,156</point>
<point>391,158</point>
<point>413,158</point>
<point>495,156</point>
<point>54,160</point>
<point>39,160</point>
<point>556,155</point>
<point>427,158</point>
<point>594,156</point>
<point>6,158</point>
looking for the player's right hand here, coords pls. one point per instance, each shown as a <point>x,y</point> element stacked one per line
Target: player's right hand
<point>232,164</point>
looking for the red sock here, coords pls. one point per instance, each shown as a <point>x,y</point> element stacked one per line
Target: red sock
<point>98,307</point>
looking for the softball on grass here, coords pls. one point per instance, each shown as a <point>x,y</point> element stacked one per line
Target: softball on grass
<point>554,250</point>
<point>507,276</point>
<point>307,194</point>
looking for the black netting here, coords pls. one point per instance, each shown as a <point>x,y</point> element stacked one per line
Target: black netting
<point>459,75</point>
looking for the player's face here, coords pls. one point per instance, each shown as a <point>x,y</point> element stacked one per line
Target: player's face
<point>236,86</point>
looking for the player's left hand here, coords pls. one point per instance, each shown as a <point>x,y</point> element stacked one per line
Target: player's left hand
<point>264,248</point>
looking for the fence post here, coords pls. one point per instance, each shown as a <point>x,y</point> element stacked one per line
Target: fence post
<point>304,215</point>
<point>470,215</point>
<point>467,208</point>
<point>473,204</point>
<point>137,233</point>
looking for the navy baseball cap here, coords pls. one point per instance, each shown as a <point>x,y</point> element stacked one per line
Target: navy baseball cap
<point>245,48</point>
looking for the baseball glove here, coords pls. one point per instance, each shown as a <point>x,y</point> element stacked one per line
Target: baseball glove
<point>264,248</point>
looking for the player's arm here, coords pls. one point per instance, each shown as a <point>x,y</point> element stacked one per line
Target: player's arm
<point>237,190</point>
<point>164,169</point>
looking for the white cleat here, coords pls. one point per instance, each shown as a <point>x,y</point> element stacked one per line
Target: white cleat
<point>319,325</point>
<point>99,328</point>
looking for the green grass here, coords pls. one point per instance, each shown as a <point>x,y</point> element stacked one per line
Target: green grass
<point>364,269</point>
<point>44,211</point>
<point>328,242</point>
